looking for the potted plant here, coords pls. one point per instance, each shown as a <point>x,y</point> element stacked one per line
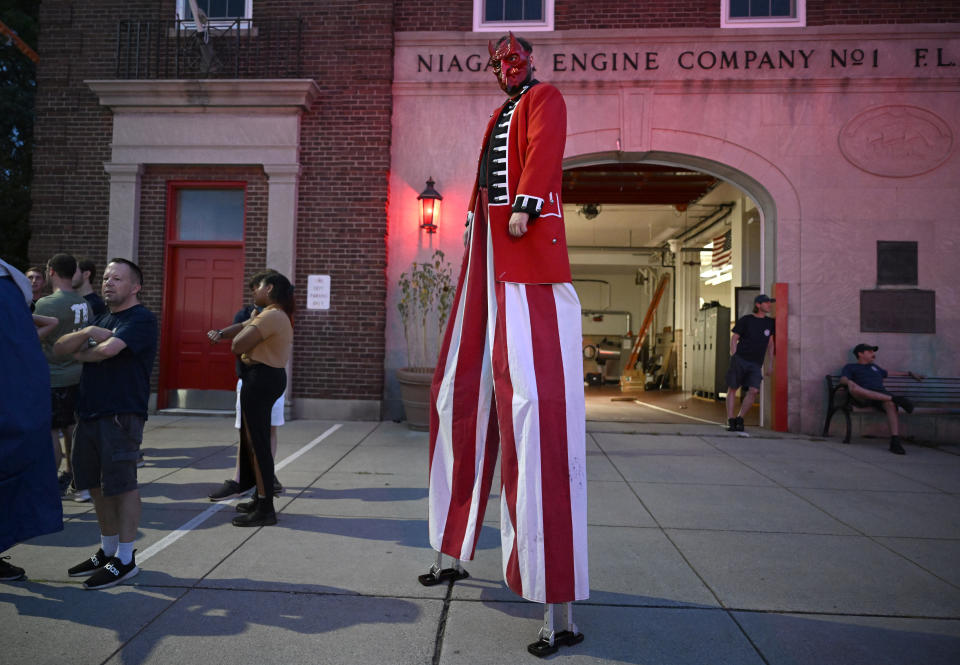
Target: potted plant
<point>426,294</point>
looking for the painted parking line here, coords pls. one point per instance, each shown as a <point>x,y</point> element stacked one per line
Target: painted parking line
<point>674,413</point>
<point>180,532</point>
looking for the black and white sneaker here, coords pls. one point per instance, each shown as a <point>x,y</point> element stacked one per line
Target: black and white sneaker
<point>9,572</point>
<point>229,490</point>
<point>112,573</point>
<point>65,479</point>
<point>89,566</point>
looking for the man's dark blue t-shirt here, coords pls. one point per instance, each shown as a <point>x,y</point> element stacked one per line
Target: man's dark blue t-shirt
<point>96,304</point>
<point>755,333</point>
<point>867,376</point>
<point>121,384</point>
<point>240,317</point>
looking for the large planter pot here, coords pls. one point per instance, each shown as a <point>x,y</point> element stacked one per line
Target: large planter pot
<point>415,395</point>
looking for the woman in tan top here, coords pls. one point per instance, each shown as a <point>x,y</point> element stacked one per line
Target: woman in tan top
<point>263,345</point>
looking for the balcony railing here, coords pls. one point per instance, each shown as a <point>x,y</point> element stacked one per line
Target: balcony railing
<point>240,48</point>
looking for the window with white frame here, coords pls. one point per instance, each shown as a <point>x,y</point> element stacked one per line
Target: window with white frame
<point>763,13</point>
<point>220,13</point>
<point>503,15</point>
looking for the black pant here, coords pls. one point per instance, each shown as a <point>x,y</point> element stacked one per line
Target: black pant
<point>262,386</point>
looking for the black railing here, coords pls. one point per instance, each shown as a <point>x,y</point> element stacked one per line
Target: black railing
<point>240,48</point>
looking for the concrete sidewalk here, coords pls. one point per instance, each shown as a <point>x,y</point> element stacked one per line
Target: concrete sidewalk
<point>705,547</point>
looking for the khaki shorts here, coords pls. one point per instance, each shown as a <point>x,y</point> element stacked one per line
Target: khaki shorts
<point>105,452</point>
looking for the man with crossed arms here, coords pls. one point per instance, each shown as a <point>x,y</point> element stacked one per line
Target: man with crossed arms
<point>117,352</point>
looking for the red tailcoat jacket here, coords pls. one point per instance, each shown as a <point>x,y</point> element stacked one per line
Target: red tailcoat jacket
<point>535,144</point>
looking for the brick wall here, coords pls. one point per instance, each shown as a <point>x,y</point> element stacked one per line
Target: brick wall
<point>345,157</point>
<point>345,153</point>
<point>632,14</point>
<point>615,14</point>
<point>834,12</point>
<point>72,132</point>
<point>455,15</point>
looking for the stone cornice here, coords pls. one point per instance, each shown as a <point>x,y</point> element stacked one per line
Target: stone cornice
<point>178,94</point>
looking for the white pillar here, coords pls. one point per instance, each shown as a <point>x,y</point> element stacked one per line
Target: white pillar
<point>282,195</point>
<point>123,223</point>
<point>282,198</point>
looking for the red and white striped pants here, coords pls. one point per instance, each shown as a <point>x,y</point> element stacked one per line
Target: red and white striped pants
<point>510,375</point>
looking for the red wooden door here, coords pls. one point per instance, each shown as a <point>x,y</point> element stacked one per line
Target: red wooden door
<point>204,284</point>
<point>206,291</point>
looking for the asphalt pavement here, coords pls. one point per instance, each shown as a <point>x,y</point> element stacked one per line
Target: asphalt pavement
<point>705,547</point>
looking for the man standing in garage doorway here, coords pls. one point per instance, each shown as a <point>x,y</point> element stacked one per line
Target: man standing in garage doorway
<point>749,345</point>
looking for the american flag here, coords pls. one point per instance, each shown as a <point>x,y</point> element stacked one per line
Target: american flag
<point>722,250</point>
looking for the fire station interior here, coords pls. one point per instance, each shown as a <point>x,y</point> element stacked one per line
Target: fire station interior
<point>664,260</point>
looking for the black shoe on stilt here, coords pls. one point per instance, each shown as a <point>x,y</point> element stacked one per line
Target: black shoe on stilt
<point>434,578</point>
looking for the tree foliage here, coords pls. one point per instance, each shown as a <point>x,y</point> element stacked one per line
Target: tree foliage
<point>17,93</point>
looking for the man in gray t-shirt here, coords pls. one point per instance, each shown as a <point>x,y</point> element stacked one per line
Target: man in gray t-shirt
<point>73,313</point>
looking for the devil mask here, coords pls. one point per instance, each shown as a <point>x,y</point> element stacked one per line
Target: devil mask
<point>512,64</point>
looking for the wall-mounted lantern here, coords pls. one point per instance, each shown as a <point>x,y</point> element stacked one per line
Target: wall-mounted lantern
<point>429,207</point>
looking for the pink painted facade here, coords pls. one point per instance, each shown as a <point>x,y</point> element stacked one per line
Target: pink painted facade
<point>841,136</point>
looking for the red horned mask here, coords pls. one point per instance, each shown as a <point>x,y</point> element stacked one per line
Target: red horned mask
<point>512,64</point>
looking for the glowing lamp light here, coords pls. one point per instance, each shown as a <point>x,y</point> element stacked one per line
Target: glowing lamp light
<point>429,207</point>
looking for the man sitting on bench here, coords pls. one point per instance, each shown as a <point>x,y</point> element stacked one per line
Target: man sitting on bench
<point>864,381</point>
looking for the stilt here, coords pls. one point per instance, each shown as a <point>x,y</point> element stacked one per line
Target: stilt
<point>571,635</point>
<point>437,575</point>
<point>550,641</point>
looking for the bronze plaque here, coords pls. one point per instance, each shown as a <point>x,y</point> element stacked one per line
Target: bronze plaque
<point>896,263</point>
<point>898,311</point>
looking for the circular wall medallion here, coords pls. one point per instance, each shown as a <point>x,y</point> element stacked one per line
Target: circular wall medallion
<point>896,141</point>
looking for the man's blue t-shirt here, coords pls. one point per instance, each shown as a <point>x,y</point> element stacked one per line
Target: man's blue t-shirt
<point>867,376</point>
<point>755,333</point>
<point>240,317</point>
<point>96,304</point>
<point>121,384</point>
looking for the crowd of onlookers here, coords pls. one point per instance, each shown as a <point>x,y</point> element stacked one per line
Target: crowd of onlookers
<point>59,292</point>
<point>81,381</point>
<point>76,373</point>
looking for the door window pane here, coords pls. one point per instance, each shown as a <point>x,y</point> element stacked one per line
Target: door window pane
<point>210,214</point>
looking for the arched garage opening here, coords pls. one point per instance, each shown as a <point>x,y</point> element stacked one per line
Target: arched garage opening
<point>682,242</point>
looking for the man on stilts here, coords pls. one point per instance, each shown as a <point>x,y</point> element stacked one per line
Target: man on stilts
<point>509,374</point>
